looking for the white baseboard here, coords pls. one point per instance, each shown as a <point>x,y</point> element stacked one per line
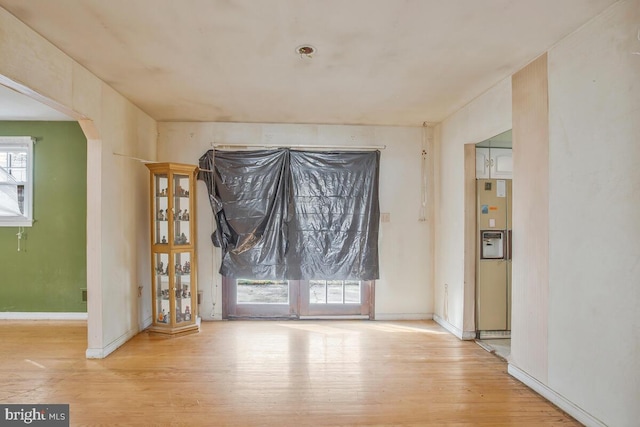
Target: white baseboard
<point>345,317</point>
<point>101,353</point>
<point>560,401</point>
<point>403,316</point>
<point>146,323</point>
<point>28,315</point>
<point>212,318</point>
<point>463,335</point>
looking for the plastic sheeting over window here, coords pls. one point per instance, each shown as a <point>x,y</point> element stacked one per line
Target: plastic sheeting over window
<point>297,215</point>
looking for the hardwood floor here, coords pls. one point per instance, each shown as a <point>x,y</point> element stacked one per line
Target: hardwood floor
<point>263,373</point>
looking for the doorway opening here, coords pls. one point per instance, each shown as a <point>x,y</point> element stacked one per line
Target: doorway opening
<point>493,243</point>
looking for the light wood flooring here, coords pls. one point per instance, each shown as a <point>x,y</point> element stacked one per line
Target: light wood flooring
<point>266,373</point>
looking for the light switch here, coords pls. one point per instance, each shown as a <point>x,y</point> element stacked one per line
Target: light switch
<point>492,222</point>
<point>385,217</point>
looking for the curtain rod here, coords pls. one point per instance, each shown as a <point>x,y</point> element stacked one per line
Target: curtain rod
<point>307,147</point>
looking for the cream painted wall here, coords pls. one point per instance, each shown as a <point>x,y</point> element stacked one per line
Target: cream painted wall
<point>405,289</point>
<point>594,212</point>
<point>530,273</point>
<point>117,188</point>
<point>485,117</point>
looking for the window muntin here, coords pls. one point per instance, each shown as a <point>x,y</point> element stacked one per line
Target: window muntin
<point>334,292</point>
<point>16,181</point>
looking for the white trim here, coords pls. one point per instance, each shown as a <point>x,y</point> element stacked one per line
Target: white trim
<point>560,401</point>
<point>28,315</point>
<point>145,323</point>
<point>337,317</point>
<point>101,353</point>
<point>463,335</point>
<point>403,316</point>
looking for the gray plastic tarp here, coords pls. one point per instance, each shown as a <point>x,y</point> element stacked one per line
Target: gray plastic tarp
<point>297,215</point>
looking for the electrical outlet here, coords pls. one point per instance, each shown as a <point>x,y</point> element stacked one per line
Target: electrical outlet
<point>385,217</point>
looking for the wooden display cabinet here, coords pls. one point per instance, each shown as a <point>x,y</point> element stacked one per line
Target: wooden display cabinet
<point>173,240</point>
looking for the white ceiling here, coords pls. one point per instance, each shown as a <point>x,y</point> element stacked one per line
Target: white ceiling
<point>390,62</point>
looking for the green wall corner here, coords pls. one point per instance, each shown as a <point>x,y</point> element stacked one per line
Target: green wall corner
<point>50,272</point>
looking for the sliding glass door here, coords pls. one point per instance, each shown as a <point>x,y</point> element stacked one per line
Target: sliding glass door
<point>244,298</point>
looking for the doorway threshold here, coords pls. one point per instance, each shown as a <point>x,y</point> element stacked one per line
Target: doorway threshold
<point>499,347</point>
<point>337,317</point>
<point>490,335</point>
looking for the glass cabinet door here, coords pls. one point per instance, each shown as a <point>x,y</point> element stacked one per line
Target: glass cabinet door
<point>184,300</point>
<point>161,209</point>
<point>163,303</point>
<point>181,214</point>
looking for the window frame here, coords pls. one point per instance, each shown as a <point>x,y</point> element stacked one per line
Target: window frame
<point>26,219</point>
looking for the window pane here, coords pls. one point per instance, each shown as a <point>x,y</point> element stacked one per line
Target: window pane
<point>18,159</point>
<point>334,292</point>
<point>351,292</point>
<point>317,292</point>
<point>262,292</point>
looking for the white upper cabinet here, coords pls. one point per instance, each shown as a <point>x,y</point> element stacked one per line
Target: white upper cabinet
<point>483,162</point>
<point>501,163</point>
<point>494,163</point>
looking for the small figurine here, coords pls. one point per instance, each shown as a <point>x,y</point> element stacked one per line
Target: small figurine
<point>178,269</point>
<point>185,215</point>
<point>164,239</point>
<point>161,316</point>
<point>160,268</point>
<point>161,215</point>
<point>180,215</point>
<point>178,315</point>
<point>166,317</point>
<point>187,314</point>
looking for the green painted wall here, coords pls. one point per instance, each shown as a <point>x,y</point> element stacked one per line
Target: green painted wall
<point>49,272</point>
